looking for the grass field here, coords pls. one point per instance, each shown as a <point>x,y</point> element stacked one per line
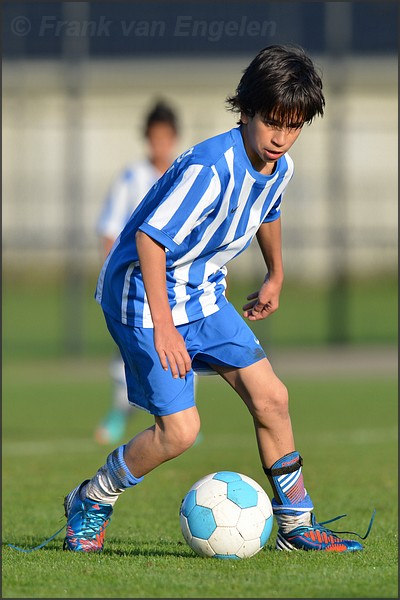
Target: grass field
<point>34,314</point>
<point>346,431</point>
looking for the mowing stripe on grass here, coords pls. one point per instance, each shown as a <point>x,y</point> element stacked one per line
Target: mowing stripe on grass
<point>356,437</point>
<point>42,447</point>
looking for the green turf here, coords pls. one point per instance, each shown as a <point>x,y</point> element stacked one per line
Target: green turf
<point>36,321</point>
<point>345,429</point>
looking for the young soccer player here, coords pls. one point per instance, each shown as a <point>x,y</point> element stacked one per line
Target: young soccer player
<point>162,290</point>
<point>125,194</point>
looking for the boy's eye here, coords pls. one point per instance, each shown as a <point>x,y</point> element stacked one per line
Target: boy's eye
<point>271,123</point>
<point>277,125</point>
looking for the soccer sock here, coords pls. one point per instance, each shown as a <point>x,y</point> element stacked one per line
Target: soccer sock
<point>291,503</point>
<point>111,479</point>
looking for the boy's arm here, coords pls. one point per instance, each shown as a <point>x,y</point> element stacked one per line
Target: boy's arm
<point>107,243</point>
<point>168,342</point>
<point>266,300</point>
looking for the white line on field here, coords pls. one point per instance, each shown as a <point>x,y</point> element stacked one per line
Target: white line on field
<point>357,437</point>
<point>68,446</point>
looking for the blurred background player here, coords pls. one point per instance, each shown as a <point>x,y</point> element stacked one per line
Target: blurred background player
<point>126,192</point>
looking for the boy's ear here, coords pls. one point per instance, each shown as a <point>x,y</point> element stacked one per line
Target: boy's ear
<point>244,118</point>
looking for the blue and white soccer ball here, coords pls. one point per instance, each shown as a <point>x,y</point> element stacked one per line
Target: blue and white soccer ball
<point>226,515</point>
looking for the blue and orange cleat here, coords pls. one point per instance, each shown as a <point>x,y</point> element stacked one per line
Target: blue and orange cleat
<point>86,522</point>
<point>317,537</point>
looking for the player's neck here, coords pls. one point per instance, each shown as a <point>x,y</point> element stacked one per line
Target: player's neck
<point>160,165</point>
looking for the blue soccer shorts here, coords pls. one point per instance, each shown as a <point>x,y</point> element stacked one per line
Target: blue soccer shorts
<point>222,338</point>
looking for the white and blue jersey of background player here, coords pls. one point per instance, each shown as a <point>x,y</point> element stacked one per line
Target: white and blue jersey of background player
<point>126,192</point>
<point>124,195</point>
<point>205,210</point>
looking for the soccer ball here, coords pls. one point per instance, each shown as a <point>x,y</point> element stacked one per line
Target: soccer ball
<point>226,515</point>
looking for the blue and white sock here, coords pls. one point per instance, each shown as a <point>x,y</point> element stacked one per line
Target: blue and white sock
<point>111,479</point>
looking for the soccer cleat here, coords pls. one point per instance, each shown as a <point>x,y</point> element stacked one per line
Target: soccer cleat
<point>112,429</point>
<point>318,537</point>
<point>86,522</point>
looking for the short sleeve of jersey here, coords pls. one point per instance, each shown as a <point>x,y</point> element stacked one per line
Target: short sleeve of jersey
<point>117,207</point>
<point>184,206</point>
<point>275,211</point>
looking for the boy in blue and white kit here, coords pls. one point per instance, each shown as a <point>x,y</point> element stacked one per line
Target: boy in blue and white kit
<point>162,290</point>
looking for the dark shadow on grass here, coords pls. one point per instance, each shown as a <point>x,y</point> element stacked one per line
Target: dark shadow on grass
<point>115,547</point>
<point>118,547</point>
<point>153,548</point>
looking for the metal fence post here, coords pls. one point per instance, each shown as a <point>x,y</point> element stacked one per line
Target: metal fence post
<point>338,45</point>
<point>75,49</point>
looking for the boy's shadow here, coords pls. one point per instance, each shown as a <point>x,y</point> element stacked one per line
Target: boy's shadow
<point>117,547</point>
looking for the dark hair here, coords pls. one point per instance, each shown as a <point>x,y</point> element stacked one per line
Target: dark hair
<point>161,113</point>
<point>282,83</point>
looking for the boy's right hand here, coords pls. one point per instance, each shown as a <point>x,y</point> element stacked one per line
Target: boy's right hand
<point>171,349</point>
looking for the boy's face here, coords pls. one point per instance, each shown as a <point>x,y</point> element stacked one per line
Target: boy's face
<point>162,139</point>
<point>267,140</point>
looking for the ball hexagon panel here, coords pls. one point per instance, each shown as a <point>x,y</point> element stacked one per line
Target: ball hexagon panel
<point>211,495</point>
<point>203,480</point>
<point>251,523</point>
<point>264,504</point>
<point>225,540</point>
<point>202,547</point>
<point>249,548</point>
<point>226,513</point>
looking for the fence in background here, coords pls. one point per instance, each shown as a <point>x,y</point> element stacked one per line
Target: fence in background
<point>68,131</point>
<point>63,144</point>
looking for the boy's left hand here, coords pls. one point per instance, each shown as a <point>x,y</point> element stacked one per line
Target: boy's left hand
<point>264,302</point>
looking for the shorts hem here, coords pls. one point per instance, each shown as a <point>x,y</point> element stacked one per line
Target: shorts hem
<point>165,412</point>
<point>210,360</point>
<point>135,405</point>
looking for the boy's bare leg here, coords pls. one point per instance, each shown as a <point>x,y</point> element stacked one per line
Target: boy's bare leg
<point>267,400</point>
<point>167,438</point>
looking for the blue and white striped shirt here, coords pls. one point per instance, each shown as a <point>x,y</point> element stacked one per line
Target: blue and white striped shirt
<point>205,210</point>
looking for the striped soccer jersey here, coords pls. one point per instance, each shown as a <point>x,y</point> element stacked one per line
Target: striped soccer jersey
<point>204,210</point>
<point>125,193</point>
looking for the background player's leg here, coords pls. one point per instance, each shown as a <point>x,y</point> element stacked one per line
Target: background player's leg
<point>112,427</point>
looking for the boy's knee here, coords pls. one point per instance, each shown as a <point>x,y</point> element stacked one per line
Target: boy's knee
<point>181,436</point>
<point>182,440</point>
<point>281,396</point>
<point>188,438</point>
<point>274,401</point>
